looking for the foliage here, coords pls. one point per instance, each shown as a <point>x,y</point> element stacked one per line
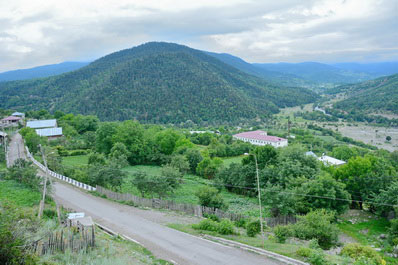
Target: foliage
<point>393,232</point>
<point>13,238</point>
<point>157,185</point>
<point>206,224</point>
<point>317,257</point>
<point>194,158</point>
<point>317,225</point>
<point>278,201</point>
<point>226,227</point>
<point>106,176</point>
<point>23,172</point>
<point>119,155</point>
<point>253,228</point>
<point>282,232</point>
<point>96,159</point>
<point>209,167</point>
<point>180,163</point>
<point>304,252</point>
<point>158,83</point>
<point>357,252</point>
<point>31,138</point>
<point>210,197</point>
<point>386,199</point>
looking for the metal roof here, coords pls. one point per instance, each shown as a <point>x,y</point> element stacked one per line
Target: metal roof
<point>328,160</point>
<point>18,114</point>
<point>259,135</point>
<point>49,131</point>
<point>42,124</point>
<point>11,118</point>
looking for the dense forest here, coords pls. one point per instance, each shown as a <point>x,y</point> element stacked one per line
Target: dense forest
<point>156,82</point>
<point>370,97</point>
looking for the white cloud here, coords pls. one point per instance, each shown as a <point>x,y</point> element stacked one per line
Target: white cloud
<point>49,31</point>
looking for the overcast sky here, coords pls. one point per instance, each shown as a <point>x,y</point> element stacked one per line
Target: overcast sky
<point>37,32</point>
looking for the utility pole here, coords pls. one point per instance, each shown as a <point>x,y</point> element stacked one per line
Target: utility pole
<point>259,200</point>
<point>41,208</point>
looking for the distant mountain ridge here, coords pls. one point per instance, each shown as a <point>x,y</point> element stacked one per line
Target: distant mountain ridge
<point>371,96</point>
<point>156,82</point>
<point>41,71</point>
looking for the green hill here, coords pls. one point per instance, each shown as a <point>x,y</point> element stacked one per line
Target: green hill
<point>378,95</point>
<point>155,82</point>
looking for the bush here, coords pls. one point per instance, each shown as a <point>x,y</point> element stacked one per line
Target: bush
<point>393,232</point>
<point>282,232</point>
<point>226,227</point>
<point>317,225</point>
<point>359,253</point>
<point>50,214</point>
<point>206,224</point>
<point>241,222</point>
<point>210,197</point>
<point>304,252</point>
<point>213,217</point>
<point>253,228</point>
<point>317,257</point>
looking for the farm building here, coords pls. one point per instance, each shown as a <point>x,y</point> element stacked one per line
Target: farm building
<point>261,138</point>
<point>50,133</point>
<point>41,124</point>
<point>11,120</point>
<point>330,161</point>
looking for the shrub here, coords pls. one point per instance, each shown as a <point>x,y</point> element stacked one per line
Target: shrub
<point>253,228</point>
<point>210,197</point>
<point>282,232</point>
<point>213,217</point>
<point>313,244</point>
<point>393,232</point>
<point>317,257</point>
<point>49,213</point>
<point>226,227</point>
<point>206,224</point>
<point>359,253</point>
<point>317,225</point>
<point>241,222</point>
<point>304,252</point>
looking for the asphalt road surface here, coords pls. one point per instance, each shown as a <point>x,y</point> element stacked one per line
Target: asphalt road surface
<point>164,242</point>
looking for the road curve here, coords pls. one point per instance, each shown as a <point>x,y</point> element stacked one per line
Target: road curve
<point>164,242</point>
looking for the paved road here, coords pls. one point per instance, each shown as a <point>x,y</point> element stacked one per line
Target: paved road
<point>16,148</point>
<point>164,242</point>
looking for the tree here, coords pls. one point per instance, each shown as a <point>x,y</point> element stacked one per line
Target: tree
<point>385,199</point>
<point>167,140</point>
<point>180,163</point>
<point>173,177</point>
<point>321,186</point>
<point>278,201</point>
<point>388,138</point>
<point>152,185</point>
<point>194,158</point>
<point>23,172</point>
<point>31,138</point>
<point>96,159</point>
<point>344,152</point>
<point>209,167</point>
<point>266,155</point>
<point>210,197</point>
<point>131,134</point>
<point>104,135</point>
<point>119,155</point>
<point>106,176</point>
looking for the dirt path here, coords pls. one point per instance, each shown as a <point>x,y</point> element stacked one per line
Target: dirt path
<point>16,149</point>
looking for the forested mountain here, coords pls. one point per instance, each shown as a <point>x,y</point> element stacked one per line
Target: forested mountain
<point>318,72</point>
<point>41,71</point>
<point>371,96</point>
<point>376,69</point>
<point>155,82</point>
<point>280,78</point>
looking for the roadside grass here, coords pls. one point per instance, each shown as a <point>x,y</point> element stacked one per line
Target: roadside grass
<point>75,161</point>
<point>186,192</point>
<point>110,250</point>
<point>283,249</point>
<point>19,194</point>
<point>3,165</point>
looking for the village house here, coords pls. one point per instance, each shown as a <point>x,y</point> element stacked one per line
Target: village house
<point>19,114</point>
<point>261,138</point>
<point>50,133</point>
<point>11,120</point>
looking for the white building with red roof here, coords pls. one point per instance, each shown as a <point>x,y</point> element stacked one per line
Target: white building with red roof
<point>261,138</point>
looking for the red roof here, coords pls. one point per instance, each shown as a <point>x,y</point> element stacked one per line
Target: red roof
<point>12,118</point>
<point>259,135</point>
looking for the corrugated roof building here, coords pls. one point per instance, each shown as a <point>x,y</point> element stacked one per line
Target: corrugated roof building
<point>50,132</point>
<point>42,124</point>
<point>261,138</point>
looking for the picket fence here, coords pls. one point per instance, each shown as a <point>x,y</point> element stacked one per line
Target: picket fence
<point>59,176</point>
<point>66,239</point>
<point>196,210</point>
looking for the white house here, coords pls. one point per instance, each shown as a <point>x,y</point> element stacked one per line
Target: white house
<point>261,138</point>
<point>330,161</point>
<point>50,133</point>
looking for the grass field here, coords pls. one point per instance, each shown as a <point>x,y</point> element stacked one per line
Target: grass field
<point>18,194</point>
<point>235,159</point>
<point>365,233</point>
<point>186,192</point>
<point>75,161</point>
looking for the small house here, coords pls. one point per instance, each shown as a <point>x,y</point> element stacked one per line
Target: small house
<point>50,133</point>
<point>331,161</point>
<point>11,120</point>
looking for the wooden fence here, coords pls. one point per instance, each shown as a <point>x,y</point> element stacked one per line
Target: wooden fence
<point>196,210</point>
<point>66,239</point>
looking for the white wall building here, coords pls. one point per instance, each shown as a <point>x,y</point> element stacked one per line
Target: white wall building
<point>261,138</point>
